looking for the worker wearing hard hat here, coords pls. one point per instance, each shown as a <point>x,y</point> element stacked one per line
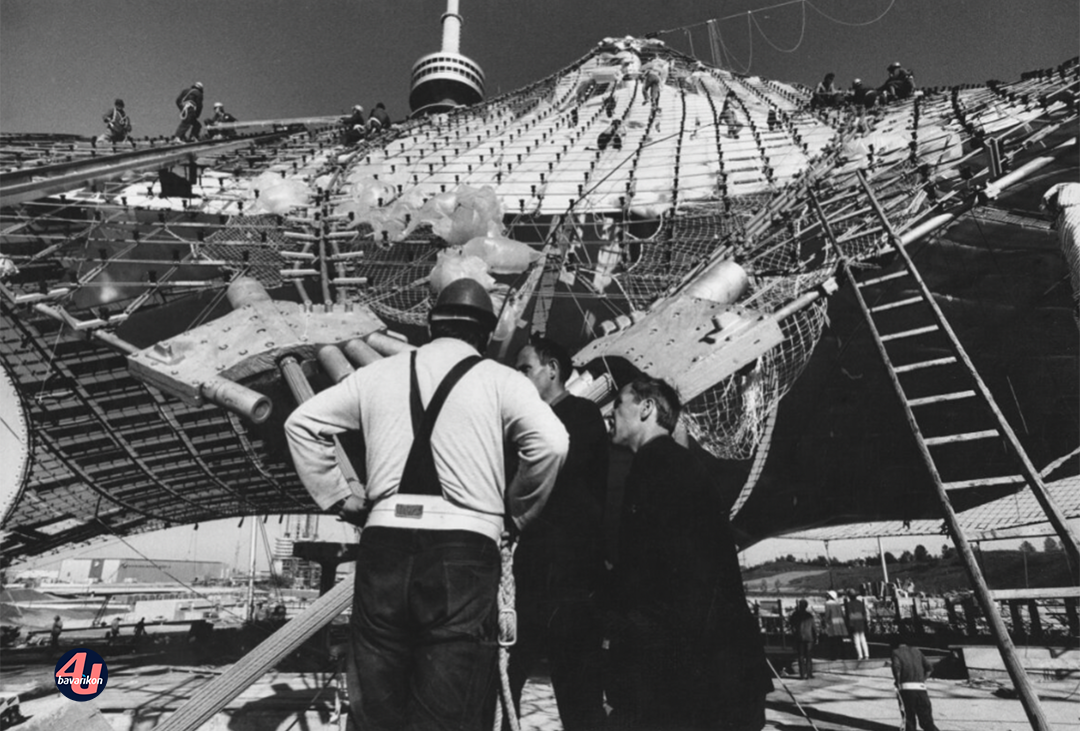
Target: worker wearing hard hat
<point>354,126</point>
<point>899,85</point>
<point>190,104</point>
<point>428,565</point>
<point>118,124</point>
<point>220,117</point>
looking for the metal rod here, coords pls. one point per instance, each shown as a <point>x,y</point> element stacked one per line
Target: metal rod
<point>251,572</point>
<point>884,567</point>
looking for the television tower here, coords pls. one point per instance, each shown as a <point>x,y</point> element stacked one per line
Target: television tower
<point>445,80</point>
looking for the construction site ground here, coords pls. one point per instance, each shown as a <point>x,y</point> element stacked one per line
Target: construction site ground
<point>843,695</point>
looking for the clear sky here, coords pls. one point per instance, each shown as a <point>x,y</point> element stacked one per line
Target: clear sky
<point>63,61</point>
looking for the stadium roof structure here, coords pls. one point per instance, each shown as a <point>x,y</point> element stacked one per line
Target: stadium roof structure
<point>117,268</point>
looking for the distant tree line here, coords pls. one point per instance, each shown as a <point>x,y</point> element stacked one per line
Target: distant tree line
<point>920,555</point>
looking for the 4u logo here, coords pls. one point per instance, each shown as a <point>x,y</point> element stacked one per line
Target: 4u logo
<point>81,674</point>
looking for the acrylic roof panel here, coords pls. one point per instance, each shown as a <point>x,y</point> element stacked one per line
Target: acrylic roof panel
<point>99,263</point>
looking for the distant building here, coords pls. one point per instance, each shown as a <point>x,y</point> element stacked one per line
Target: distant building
<point>137,570</point>
<point>303,574</point>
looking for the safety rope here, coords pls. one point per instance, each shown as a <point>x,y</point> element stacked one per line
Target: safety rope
<point>507,633</point>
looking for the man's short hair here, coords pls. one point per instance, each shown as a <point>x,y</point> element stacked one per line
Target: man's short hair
<point>663,395</point>
<point>548,350</point>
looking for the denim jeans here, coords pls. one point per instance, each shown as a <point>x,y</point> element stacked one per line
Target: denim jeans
<point>424,628</point>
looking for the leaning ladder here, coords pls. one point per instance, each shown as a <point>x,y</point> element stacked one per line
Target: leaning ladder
<point>977,394</point>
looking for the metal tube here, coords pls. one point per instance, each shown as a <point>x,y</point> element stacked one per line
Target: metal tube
<point>238,399</point>
<point>334,362</point>
<point>360,353</point>
<point>388,345</point>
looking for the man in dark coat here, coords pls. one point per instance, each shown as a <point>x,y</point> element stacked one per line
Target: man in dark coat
<point>117,122</point>
<point>685,650</point>
<point>910,669</point>
<point>804,630</point>
<point>354,126</point>
<point>559,562</point>
<point>899,85</point>
<point>379,121</point>
<point>220,117</point>
<point>190,104</point>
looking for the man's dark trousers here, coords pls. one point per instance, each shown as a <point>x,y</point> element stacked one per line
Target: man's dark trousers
<point>424,628</point>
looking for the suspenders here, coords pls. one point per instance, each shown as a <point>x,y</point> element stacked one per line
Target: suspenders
<point>420,477</point>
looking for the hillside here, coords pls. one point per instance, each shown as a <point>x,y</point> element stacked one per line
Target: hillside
<point>1002,570</point>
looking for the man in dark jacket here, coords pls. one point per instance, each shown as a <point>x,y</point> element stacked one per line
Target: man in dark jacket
<point>610,136</point>
<point>685,650</point>
<point>355,128</point>
<point>899,85</point>
<point>910,669</point>
<point>220,117</point>
<point>190,104</point>
<point>379,121</point>
<point>804,629</point>
<point>117,122</point>
<point>559,563</point>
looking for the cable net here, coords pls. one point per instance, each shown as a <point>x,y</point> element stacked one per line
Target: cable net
<point>249,245</point>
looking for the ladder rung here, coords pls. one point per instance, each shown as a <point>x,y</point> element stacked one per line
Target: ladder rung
<point>884,278</point>
<point>967,437</point>
<point>909,333</point>
<point>957,395</point>
<point>924,364</point>
<point>982,482</point>
<point>898,303</point>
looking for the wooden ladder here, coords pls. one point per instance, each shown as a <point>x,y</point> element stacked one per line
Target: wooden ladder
<point>954,381</point>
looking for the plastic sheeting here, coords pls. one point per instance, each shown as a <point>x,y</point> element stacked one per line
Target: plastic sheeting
<point>278,195</point>
<point>453,264</point>
<point>502,255</point>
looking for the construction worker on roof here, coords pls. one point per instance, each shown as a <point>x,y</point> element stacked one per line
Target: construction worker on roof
<point>220,117</point>
<point>190,104</point>
<point>355,129</point>
<point>118,124</point>
<point>899,85</point>
<point>379,120</point>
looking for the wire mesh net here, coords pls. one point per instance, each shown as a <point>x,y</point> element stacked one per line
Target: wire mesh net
<point>249,245</point>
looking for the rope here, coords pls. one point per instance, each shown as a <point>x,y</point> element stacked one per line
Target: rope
<point>507,633</point>
<point>797,704</point>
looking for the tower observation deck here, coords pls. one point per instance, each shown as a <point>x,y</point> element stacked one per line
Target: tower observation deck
<point>447,79</point>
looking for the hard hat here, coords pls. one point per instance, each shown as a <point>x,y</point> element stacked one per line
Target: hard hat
<point>218,104</point>
<point>857,82</point>
<point>357,108</point>
<point>198,85</point>
<point>464,299</point>
<point>893,65</point>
